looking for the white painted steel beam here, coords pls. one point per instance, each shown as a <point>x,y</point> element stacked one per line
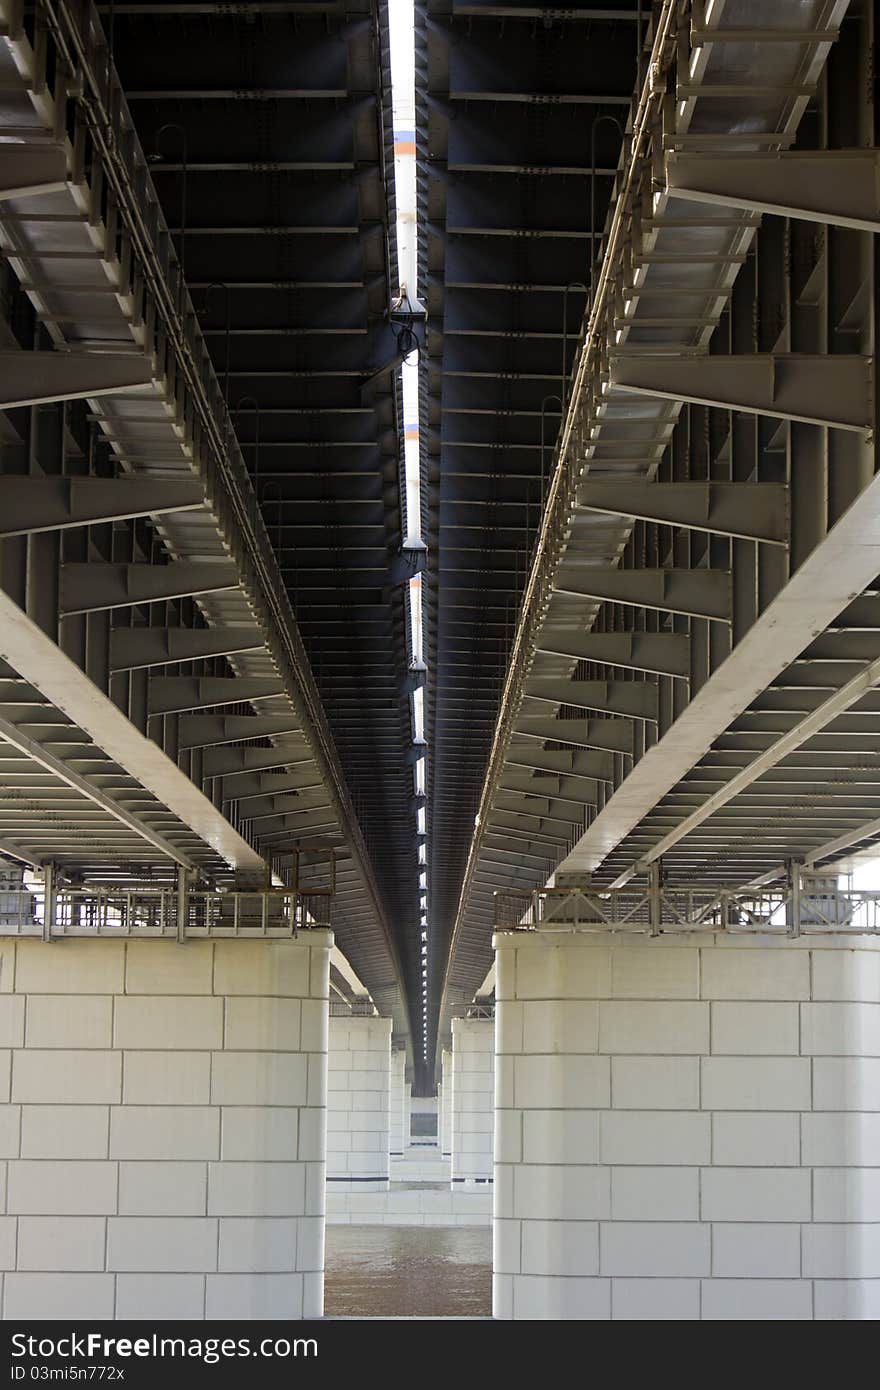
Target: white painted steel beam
<point>226,762</point>
<point>833,390</point>
<point>26,170</point>
<point>752,511</point>
<point>29,504</point>
<point>132,648</point>
<point>43,757</point>
<point>565,760</point>
<point>177,694</point>
<point>580,791</point>
<point>868,830</point>
<point>614,735</point>
<point>841,187</point>
<point>665,653</point>
<point>805,729</point>
<point>14,851</point>
<point>633,699</point>
<point>37,378</point>
<point>32,653</point>
<point>699,593</point>
<point>90,586</point>
<point>845,563</point>
<point>348,973</point>
<point>212,730</point>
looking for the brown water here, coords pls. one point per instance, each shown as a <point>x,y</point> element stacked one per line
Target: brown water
<point>408,1272</point>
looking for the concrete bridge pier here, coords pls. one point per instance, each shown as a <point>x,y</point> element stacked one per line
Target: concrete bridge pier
<point>445,1104</point>
<point>472,1100</point>
<point>358,1135</point>
<point>687,1127</point>
<point>397,1105</point>
<point>164,1128</point>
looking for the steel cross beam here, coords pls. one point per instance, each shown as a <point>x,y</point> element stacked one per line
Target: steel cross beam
<point>700,592</point>
<point>16,738</point>
<point>14,851</point>
<point>32,653</point>
<point>840,187</point>
<point>37,378</point>
<point>25,171</point>
<point>752,511</point>
<point>833,574</point>
<point>633,699</point>
<point>132,648</point>
<point>29,504</point>
<point>89,586</point>
<point>663,653</point>
<point>835,390</point>
<point>814,722</point>
<point>179,694</point>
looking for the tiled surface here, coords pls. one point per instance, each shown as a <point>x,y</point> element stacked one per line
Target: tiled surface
<point>162,1128</point>
<point>412,1205</point>
<point>472,1099</point>
<point>358,1101</point>
<point>687,1129</point>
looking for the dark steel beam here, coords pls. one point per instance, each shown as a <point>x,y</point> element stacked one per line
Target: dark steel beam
<point>833,390</point>
<point>699,593</point>
<point>132,648</point>
<point>87,587</point>
<point>840,187</point>
<point>213,730</point>
<point>631,699</point>
<point>665,653</point>
<point>613,735</point>
<point>752,511</point>
<point>37,378</point>
<point>178,694</point>
<point>26,170</point>
<point>30,504</point>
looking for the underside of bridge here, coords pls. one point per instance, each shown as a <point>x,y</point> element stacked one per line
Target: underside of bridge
<point>440,571</point>
<point>643,546</point>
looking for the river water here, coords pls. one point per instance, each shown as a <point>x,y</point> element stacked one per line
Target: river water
<point>408,1272</point>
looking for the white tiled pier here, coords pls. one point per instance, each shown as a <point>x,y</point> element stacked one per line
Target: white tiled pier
<point>687,1128</point>
<point>163,1128</point>
<point>359,1081</point>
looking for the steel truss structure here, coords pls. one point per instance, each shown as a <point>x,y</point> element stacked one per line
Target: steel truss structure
<point>803,904</point>
<point>692,677</point>
<point>646,232</point>
<point>158,707</point>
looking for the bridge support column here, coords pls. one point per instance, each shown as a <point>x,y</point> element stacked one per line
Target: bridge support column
<point>397,1103</point>
<point>473,1088</point>
<point>164,1128</point>
<point>446,1103</point>
<point>687,1127</point>
<point>407,1115</point>
<point>359,1080</point>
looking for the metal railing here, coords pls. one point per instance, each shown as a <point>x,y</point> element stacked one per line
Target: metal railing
<point>353,1008</point>
<point>162,912</point>
<point>480,1008</point>
<point>797,908</point>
